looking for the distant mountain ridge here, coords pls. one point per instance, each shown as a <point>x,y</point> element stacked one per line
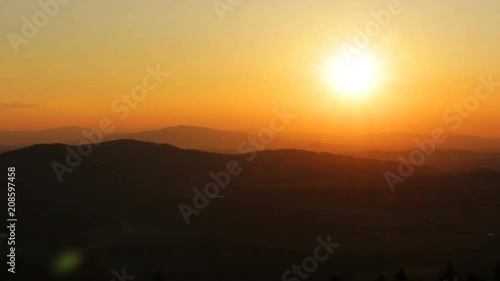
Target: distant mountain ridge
<point>208,139</point>
<point>188,137</point>
<point>69,135</point>
<point>201,138</point>
<point>131,158</point>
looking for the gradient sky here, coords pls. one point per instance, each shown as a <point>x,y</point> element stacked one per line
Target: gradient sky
<point>230,74</point>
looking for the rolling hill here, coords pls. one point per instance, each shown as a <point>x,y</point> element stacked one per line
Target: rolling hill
<point>120,208</point>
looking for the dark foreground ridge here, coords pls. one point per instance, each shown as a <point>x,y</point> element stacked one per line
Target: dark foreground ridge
<point>119,209</point>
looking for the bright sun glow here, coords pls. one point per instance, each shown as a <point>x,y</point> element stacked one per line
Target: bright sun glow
<point>355,77</point>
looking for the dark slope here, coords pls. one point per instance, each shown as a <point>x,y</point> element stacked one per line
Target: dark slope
<point>120,209</point>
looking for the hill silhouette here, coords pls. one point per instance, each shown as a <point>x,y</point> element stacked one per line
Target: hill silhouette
<point>224,141</point>
<point>445,160</point>
<point>119,208</point>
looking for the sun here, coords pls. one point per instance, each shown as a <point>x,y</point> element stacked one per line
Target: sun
<point>354,77</point>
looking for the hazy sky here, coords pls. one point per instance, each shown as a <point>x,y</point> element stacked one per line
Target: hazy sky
<point>232,73</point>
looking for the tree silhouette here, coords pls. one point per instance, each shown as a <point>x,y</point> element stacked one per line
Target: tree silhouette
<point>401,275</point>
<point>448,274</point>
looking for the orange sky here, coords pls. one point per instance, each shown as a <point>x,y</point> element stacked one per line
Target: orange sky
<point>231,73</point>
